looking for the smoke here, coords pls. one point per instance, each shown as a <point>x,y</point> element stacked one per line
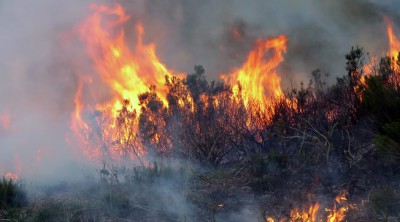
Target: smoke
<point>319,33</point>
<point>38,56</point>
<point>39,83</point>
<point>37,87</point>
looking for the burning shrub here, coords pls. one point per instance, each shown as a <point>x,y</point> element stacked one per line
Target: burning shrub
<point>197,118</point>
<point>152,125</point>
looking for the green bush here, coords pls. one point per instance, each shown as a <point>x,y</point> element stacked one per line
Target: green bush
<point>388,144</point>
<point>380,100</point>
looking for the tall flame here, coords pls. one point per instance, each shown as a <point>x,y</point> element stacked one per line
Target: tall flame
<point>257,79</point>
<point>392,52</point>
<point>129,72</point>
<point>394,42</point>
<point>126,72</point>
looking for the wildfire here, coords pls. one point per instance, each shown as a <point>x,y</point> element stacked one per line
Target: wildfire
<point>257,80</point>
<point>340,208</point>
<point>126,72</point>
<point>394,43</point>
<point>305,215</point>
<point>394,50</point>
<point>392,53</point>
<point>335,214</point>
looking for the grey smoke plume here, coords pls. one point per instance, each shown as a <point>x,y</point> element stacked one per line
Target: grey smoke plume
<point>319,32</point>
<point>38,82</point>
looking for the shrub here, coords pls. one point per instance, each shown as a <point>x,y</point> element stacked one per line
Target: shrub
<point>388,144</point>
<point>385,203</point>
<point>11,194</point>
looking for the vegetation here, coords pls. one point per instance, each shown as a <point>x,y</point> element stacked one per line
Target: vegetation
<point>344,134</point>
<point>12,197</point>
<point>339,136</point>
<point>385,203</point>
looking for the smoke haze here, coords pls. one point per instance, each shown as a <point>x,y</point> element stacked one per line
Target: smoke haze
<point>38,82</point>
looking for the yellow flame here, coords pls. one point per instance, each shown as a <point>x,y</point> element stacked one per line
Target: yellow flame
<point>257,79</point>
<point>126,72</point>
<point>394,43</point>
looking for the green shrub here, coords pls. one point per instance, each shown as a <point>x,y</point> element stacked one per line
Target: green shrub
<point>380,100</point>
<point>388,144</point>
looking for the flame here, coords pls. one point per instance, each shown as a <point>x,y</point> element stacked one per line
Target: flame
<point>129,71</point>
<point>335,214</point>
<point>393,52</point>
<point>257,80</point>
<point>13,174</point>
<point>126,72</point>
<point>340,208</point>
<point>394,43</point>
<point>9,175</point>
<point>306,216</point>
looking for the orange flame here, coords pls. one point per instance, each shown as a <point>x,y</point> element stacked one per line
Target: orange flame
<point>257,79</point>
<point>392,52</point>
<point>308,216</point>
<point>394,43</point>
<point>340,208</point>
<point>9,175</point>
<point>126,73</point>
<point>14,174</point>
<point>129,72</point>
<point>335,214</point>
